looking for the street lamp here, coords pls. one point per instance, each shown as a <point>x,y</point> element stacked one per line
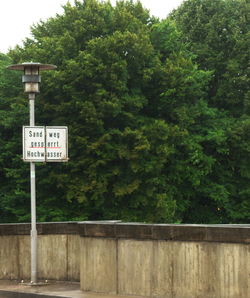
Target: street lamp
<point>31,79</point>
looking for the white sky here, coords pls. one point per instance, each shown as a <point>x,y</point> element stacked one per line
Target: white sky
<point>16,16</point>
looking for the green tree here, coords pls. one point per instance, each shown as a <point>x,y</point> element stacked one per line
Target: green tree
<point>14,187</point>
<point>128,90</point>
<point>217,32</point>
<point>148,140</point>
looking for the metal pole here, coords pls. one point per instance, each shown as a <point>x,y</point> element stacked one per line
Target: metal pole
<point>33,232</point>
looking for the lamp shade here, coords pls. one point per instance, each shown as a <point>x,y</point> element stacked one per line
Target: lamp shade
<point>24,65</point>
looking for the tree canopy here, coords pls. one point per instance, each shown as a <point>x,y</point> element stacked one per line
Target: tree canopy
<point>157,114</point>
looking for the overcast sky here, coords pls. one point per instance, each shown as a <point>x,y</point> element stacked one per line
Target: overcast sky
<point>16,16</point>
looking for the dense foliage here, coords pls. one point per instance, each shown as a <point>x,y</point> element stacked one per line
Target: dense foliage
<point>218,33</point>
<point>157,111</point>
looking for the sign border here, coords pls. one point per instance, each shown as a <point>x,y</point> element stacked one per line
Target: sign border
<point>45,160</point>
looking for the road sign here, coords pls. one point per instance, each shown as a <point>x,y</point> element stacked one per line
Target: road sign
<point>45,144</point>
<point>56,143</point>
<point>34,143</point>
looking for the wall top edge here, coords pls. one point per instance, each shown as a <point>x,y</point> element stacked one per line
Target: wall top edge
<point>232,233</point>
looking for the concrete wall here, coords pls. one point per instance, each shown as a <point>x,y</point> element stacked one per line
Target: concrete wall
<point>183,270</point>
<point>58,253</point>
<point>166,261</point>
<point>171,261</point>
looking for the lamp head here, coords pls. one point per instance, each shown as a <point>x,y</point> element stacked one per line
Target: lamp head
<point>31,77</point>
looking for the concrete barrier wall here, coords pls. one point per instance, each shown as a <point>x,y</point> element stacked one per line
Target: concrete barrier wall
<point>58,252</point>
<point>171,261</point>
<point>175,269</point>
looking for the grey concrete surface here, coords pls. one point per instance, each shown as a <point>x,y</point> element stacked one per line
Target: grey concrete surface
<point>13,289</point>
<point>58,257</point>
<point>154,261</point>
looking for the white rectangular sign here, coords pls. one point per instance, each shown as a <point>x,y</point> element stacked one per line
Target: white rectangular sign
<point>34,143</point>
<point>45,144</point>
<point>56,143</point>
